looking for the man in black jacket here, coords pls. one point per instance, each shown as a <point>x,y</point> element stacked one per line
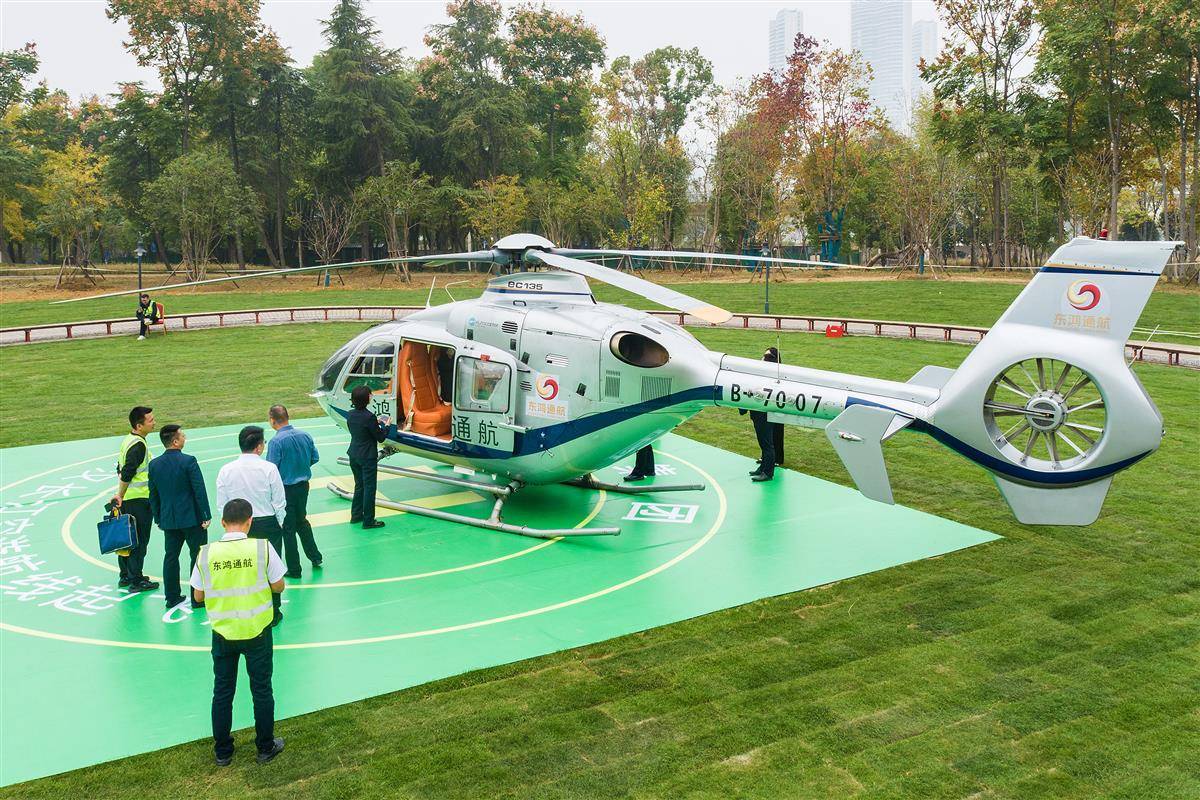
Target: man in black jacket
<point>768,434</point>
<point>179,504</point>
<point>367,432</point>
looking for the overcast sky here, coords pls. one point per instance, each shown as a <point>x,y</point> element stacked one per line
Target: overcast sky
<point>82,52</point>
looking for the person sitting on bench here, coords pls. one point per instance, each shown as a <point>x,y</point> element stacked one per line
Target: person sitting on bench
<point>147,315</point>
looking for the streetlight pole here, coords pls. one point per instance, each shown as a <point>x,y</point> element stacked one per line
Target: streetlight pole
<point>139,252</point>
<point>766,252</point>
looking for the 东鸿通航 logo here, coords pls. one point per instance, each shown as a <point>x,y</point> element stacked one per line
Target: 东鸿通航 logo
<point>1083,295</point>
<point>547,387</point>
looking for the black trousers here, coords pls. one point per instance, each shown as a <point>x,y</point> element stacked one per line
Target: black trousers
<point>268,528</point>
<point>778,442</point>
<point>365,477</point>
<point>259,653</point>
<point>765,433</point>
<point>131,566</point>
<point>173,541</point>
<point>296,524</point>
<point>644,461</point>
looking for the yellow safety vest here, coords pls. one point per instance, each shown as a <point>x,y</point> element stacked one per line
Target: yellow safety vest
<point>139,487</point>
<point>237,594</point>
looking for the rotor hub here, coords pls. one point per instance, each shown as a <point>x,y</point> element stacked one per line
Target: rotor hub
<point>1045,411</point>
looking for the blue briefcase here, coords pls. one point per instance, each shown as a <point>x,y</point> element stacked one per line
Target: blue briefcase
<point>117,533</point>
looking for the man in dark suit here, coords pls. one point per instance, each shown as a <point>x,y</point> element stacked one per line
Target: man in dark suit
<point>179,505</point>
<point>367,432</point>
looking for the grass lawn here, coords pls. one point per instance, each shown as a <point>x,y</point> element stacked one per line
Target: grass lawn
<point>961,301</point>
<point>1057,662</point>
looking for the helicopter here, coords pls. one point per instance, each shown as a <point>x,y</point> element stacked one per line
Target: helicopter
<point>536,382</point>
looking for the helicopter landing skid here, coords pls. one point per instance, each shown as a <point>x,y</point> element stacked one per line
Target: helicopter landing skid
<point>589,482</point>
<point>493,522</point>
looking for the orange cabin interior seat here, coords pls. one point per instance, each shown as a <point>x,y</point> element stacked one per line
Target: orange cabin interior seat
<point>420,394</point>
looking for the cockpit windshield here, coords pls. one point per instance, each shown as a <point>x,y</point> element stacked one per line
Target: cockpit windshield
<point>327,377</point>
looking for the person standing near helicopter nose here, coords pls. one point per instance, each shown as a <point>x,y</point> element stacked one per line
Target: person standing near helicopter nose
<point>367,432</point>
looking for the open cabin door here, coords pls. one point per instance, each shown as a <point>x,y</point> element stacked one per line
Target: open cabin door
<point>424,375</point>
<point>484,401</point>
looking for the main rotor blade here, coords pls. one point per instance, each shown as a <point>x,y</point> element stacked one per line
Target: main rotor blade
<point>689,254</point>
<point>486,256</point>
<point>631,283</point>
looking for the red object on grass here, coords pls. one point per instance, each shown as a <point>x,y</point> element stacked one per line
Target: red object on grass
<point>834,331</point>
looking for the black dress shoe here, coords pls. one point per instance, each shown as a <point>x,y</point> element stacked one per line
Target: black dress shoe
<point>317,564</point>
<point>196,605</point>
<point>756,471</point>
<point>294,575</point>
<point>121,584</point>
<point>278,618</point>
<point>224,762</point>
<point>762,476</point>
<point>635,476</point>
<point>276,748</point>
<point>144,585</point>
<point>375,523</point>
<point>176,602</point>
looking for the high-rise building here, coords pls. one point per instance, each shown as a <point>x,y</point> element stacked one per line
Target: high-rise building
<point>925,47</point>
<point>882,31</point>
<point>782,36</point>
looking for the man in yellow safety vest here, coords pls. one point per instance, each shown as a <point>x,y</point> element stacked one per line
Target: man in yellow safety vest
<point>236,578</point>
<point>133,496</point>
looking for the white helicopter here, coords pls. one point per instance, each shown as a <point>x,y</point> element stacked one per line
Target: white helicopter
<point>535,382</point>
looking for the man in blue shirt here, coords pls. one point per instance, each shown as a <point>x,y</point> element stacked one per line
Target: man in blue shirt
<point>294,452</point>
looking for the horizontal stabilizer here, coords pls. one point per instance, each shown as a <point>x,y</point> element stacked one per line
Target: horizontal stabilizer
<point>857,435</point>
<point>931,376</point>
<point>1072,505</point>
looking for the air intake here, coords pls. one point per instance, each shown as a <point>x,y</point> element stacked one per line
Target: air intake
<point>557,360</point>
<point>509,327</point>
<point>654,388</point>
<point>612,384</point>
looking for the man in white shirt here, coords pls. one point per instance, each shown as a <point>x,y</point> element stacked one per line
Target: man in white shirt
<point>256,480</point>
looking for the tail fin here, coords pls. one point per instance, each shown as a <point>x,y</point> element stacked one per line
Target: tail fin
<point>1046,401</point>
<point>1092,286</point>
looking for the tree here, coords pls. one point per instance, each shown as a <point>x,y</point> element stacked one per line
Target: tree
<point>480,119</point>
<point>497,207</point>
<point>362,101</point>
<point>141,138</point>
<point>647,102</point>
<point>975,89</point>
<point>72,201</point>
<point>550,58</point>
<point>186,40</point>
<point>15,68</point>
<point>820,109</point>
<point>395,200</point>
<point>199,199</point>
<point>330,224</point>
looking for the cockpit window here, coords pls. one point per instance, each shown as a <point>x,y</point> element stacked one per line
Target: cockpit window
<point>327,377</point>
<point>638,350</point>
<point>481,385</point>
<point>373,367</point>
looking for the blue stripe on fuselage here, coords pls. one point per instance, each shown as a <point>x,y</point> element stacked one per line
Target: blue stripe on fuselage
<point>1006,468</point>
<point>1086,271</point>
<point>537,440</point>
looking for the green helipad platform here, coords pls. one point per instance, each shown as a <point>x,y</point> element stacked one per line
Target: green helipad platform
<point>89,674</point>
